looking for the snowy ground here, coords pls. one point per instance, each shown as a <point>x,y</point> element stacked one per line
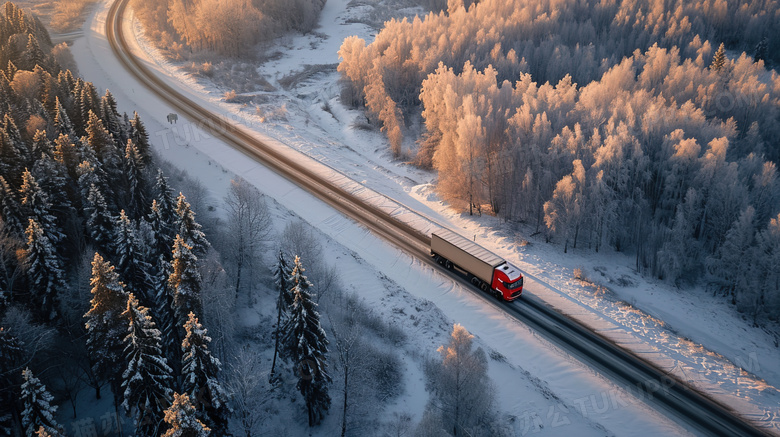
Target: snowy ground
<point>686,331</point>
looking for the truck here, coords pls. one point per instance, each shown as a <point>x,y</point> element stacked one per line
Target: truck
<point>484,269</point>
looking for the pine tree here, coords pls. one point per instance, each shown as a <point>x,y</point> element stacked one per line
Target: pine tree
<point>11,162</point>
<point>189,229</point>
<point>110,115</point>
<point>105,326</point>
<point>761,51</point>
<point>62,123</point>
<point>130,262</point>
<point>33,54</point>
<point>147,379</point>
<point>306,346</point>
<point>134,174</point>
<point>281,273</point>
<point>199,370</point>
<point>185,282</point>
<point>181,419</point>
<point>99,222</point>
<point>11,354</point>
<point>10,209</point>
<point>159,257</point>
<point>102,143</point>
<point>141,138</point>
<point>719,60</point>
<point>38,412</point>
<point>36,205</point>
<point>15,137</point>
<point>44,270</point>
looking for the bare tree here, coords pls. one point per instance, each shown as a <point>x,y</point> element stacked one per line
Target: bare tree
<point>298,238</point>
<point>246,387</point>
<point>350,362</point>
<point>219,305</point>
<point>249,223</point>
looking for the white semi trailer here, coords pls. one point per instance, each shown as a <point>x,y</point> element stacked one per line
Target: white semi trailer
<point>484,269</point>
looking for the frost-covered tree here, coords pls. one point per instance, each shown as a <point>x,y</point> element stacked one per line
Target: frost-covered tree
<point>140,138</point>
<point>99,222</point>
<point>199,374</point>
<point>248,225</point>
<point>284,301</point>
<point>45,270</point>
<point>105,325</point>
<point>36,204</point>
<point>11,209</point>
<point>182,419</point>
<point>38,411</point>
<point>719,59</point>
<point>306,346</point>
<point>134,173</point>
<point>130,263</point>
<point>147,379</point>
<point>189,229</point>
<point>185,282</point>
<point>11,354</point>
<point>463,396</point>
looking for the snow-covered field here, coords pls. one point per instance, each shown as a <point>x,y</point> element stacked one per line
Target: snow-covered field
<point>687,332</point>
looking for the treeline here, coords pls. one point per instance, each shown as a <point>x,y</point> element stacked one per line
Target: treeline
<point>226,27</point>
<point>611,124</point>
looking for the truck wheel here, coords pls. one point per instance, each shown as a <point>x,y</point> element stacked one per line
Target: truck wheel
<point>448,264</point>
<point>483,287</point>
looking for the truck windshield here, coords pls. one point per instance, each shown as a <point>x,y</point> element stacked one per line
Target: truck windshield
<point>514,285</point>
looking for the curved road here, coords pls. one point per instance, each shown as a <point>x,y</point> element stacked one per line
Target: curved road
<point>639,376</point>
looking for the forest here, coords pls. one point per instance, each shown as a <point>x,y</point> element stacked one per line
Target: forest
<point>224,27</point>
<point>646,127</point>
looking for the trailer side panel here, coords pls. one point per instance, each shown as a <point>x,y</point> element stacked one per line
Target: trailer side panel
<point>466,254</point>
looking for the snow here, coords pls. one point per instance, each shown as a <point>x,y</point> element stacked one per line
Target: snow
<point>688,332</point>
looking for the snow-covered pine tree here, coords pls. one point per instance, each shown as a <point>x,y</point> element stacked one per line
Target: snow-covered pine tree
<point>761,50</point>
<point>11,354</point>
<point>189,229</point>
<point>10,209</point>
<point>44,270</point>
<point>306,346</point>
<point>36,205</point>
<point>110,115</point>
<point>33,55</point>
<point>136,194</point>
<point>199,372</point>
<point>15,139</point>
<point>147,379</point>
<point>281,272</point>
<point>185,282</point>
<point>38,412</point>
<point>102,143</point>
<point>159,256</point>
<point>141,138</point>
<point>182,420</point>
<point>719,59</point>
<point>99,223</point>
<point>62,124</point>
<point>11,163</point>
<point>130,262</point>
<point>105,326</point>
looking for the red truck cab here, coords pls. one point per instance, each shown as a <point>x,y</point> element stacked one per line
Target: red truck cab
<point>508,280</point>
